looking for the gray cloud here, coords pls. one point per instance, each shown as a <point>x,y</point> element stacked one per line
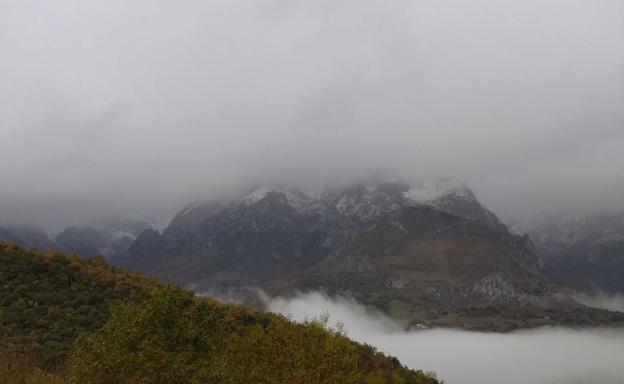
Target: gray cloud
<point>612,302</point>
<point>116,105</point>
<point>543,356</point>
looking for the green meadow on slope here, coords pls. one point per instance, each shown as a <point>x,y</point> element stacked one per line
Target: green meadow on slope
<point>68,320</point>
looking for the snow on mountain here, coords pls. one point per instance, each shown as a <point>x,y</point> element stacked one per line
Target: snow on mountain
<point>580,247</point>
<point>364,201</point>
<point>428,192</point>
<point>297,199</point>
<point>189,209</point>
<point>569,228</point>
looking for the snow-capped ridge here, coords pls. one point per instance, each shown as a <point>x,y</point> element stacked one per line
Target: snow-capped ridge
<point>361,201</point>
<point>297,199</point>
<point>366,201</point>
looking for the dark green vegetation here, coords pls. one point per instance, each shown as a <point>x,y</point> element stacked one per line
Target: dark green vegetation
<point>47,299</point>
<point>66,320</point>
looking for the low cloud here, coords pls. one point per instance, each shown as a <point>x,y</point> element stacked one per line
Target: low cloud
<point>134,106</point>
<point>540,356</point>
<point>612,302</point>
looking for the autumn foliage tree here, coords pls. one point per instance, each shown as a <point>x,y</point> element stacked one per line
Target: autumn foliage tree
<point>175,337</point>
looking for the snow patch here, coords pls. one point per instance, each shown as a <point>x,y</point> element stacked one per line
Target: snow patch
<point>258,194</point>
<point>296,199</point>
<point>189,209</point>
<point>427,192</point>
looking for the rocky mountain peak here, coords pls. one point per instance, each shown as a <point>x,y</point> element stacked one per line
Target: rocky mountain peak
<point>431,191</point>
<point>295,198</point>
<point>365,201</point>
<point>358,203</point>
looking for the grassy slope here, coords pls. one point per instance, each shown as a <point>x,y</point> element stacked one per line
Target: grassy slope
<point>75,321</point>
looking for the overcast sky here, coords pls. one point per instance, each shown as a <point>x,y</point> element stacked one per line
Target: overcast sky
<point>139,105</point>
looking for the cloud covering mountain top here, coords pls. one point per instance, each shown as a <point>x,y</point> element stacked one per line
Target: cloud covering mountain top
<point>119,105</point>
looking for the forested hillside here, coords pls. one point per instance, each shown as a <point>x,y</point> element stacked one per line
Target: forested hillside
<point>67,320</point>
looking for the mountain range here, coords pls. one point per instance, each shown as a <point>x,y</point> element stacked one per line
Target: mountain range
<point>108,237</point>
<point>427,253</point>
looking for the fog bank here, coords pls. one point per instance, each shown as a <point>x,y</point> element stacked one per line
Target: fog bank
<point>541,356</point>
<point>118,105</point>
<point>612,302</point>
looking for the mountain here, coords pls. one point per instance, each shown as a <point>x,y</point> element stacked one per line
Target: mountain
<point>71,320</point>
<point>110,237</point>
<point>580,248</point>
<point>31,237</point>
<point>274,230</point>
<point>428,253</point>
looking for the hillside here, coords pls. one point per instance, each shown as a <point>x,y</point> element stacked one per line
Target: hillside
<point>67,320</point>
<point>49,299</point>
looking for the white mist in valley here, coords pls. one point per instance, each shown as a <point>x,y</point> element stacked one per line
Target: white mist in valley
<point>612,302</point>
<point>541,356</point>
